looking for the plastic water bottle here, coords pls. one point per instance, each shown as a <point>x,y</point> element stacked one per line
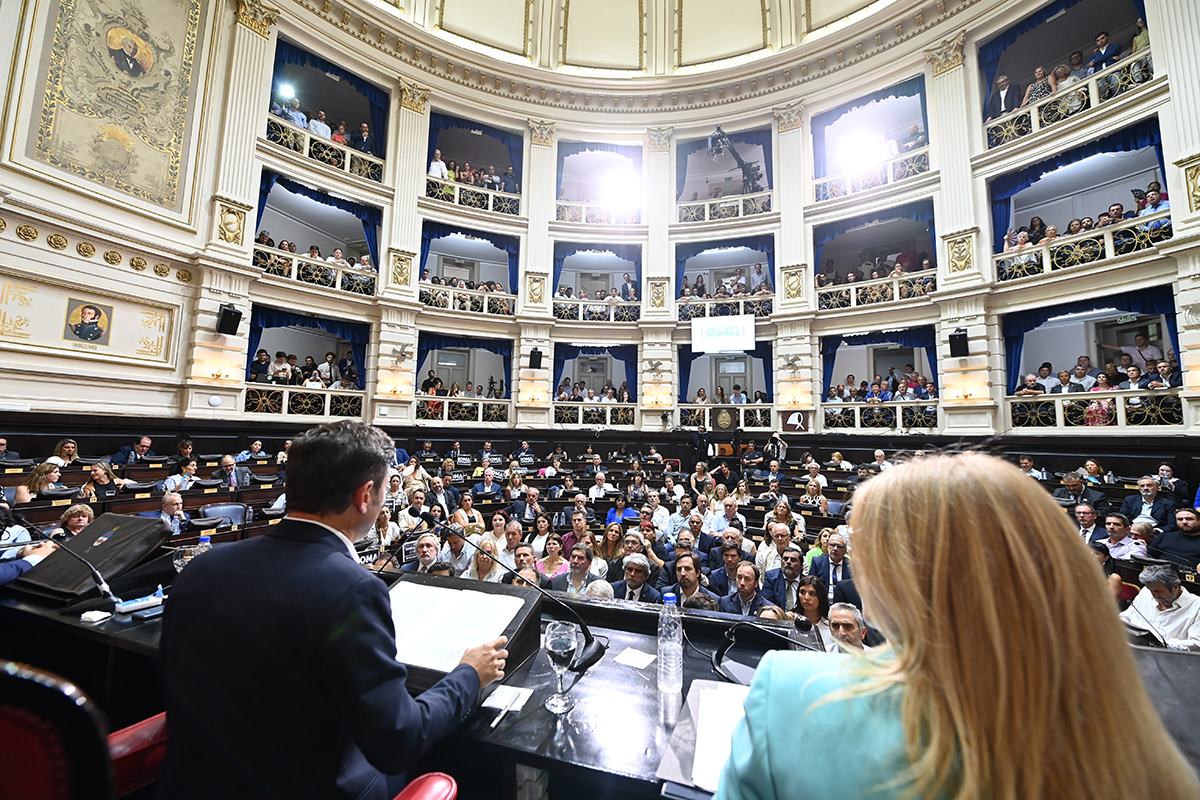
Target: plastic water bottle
<point>1110,478</point>
<point>670,646</point>
<point>204,546</point>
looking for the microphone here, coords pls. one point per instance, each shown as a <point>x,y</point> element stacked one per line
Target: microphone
<point>731,637</point>
<point>1157,633</point>
<point>592,650</point>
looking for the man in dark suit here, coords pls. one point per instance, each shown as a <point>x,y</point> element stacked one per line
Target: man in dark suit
<point>684,545</point>
<point>487,455</point>
<point>172,514</point>
<point>833,567</point>
<point>231,473</point>
<point>1086,518</point>
<point>428,546</point>
<point>846,592</point>
<point>529,508</point>
<point>780,586</point>
<point>1005,98</point>
<point>748,601</point>
<point>577,576</point>
<point>1149,502</point>
<point>722,580</point>
<point>700,442</point>
<point>330,696</point>
<point>687,577</point>
<point>441,493</point>
<point>5,453</point>
<point>488,485</point>
<point>1074,493</point>
<point>362,140</point>
<point>635,587</point>
<point>134,453</point>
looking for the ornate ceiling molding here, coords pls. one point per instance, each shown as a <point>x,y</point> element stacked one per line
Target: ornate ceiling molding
<point>947,55</point>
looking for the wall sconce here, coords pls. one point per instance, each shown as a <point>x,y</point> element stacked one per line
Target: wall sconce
<point>402,353</point>
<point>219,375</point>
<point>793,362</point>
<point>394,390</point>
<point>656,366</point>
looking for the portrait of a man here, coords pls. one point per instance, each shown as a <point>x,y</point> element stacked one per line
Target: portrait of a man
<point>87,322</point>
<point>126,55</point>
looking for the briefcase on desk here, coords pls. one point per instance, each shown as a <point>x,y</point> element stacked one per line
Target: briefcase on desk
<point>113,543</point>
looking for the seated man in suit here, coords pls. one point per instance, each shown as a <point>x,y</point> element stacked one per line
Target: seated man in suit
<point>687,579</point>
<point>529,508</point>
<point>781,585</point>
<point>722,581</point>
<point>735,535</point>
<point>578,574</point>
<point>635,587</point>
<point>685,542</point>
<point>1075,493</point>
<point>1149,503</point>
<point>441,493</point>
<point>172,513</point>
<point>230,473</point>
<point>427,554</point>
<point>134,453</point>
<point>297,602</point>
<point>5,453</point>
<point>748,601</point>
<point>487,455</point>
<point>523,451</point>
<point>488,485</point>
<point>525,560</point>
<point>427,453</point>
<point>774,473</point>
<point>834,566</point>
<point>594,466</point>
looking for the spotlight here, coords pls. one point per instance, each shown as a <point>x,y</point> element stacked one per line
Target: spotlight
<point>287,91</point>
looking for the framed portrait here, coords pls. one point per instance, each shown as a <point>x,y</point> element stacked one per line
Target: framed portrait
<point>88,321</point>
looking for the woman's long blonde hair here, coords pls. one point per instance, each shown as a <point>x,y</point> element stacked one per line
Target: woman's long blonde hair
<point>1013,662</point>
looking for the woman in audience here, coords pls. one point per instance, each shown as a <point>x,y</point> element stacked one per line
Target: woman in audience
<point>341,136</point>
<point>620,511</point>
<point>543,529</point>
<point>782,513</point>
<point>500,520</point>
<point>446,471</point>
<point>552,564</point>
<point>386,532</point>
<point>72,521</point>
<point>741,493</point>
<point>818,547</point>
<point>1036,230</point>
<point>636,491</point>
<point>963,703</point>
<point>1101,410</point>
<point>1092,472</point>
<point>483,565</point>
<point>467,516</point>
<point>102,482</point>
<point>455,391</point>
<point>393,495</point>
<point>1074,226</point>
<point>719,398</point>
<point>1051,234</point>
<point>839,461</point>
<point>612,548</point>
<point>452,170</point>
<point>414,476</point>
<point>1040,88</point>
<point>43,476</point>
<point>813,498</point>
<point>65,452</point>
<point>812,603</point>
<point>701,397</point>
<point>184,479</point>
<point>700,480</point>
<point>515,489</point>
<point>699,289</point>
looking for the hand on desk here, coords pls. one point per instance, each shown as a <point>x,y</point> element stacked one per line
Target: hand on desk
<point>488,660</point>
<point>44,549</point>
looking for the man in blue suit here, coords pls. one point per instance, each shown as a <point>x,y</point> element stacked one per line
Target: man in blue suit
<point>635,586</point>
<point>172,513</point>
<point>487,485</point>
<point>687,576</point>
<point>780,586</point>
<point>329,694</point>
<point>428,546</point>
<point>134,453</point>
<point>832,567</point>
<point>683,545</point>
<point>722,580</point>
<point>1150,503</point>
<point>27,558</point>
<point>748,601</point>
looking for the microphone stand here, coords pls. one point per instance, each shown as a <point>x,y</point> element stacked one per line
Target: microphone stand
<point>592,650</point>
<point>731,635</point>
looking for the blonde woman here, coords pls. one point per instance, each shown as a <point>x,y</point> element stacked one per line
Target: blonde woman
<point>515,489</point>
<point>818,548</point>
<point>483,565</point>
<point>812,498</point>
<point>73,520</point>
<point>43,476</point>
<point>782,512</point>
<point>102,482</point>
<point>65,452</point>
<point>840,462</point>
<point>963,704</point>
<point>742,493</point>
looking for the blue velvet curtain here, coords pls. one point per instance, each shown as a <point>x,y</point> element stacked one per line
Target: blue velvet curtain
<point>356,333</point>
<point>513,141</point>
<point>924,336</point>
<point>370,216</point>
<point>625,353</point>
<point>631,151</point>
<point>764,351</point>
<point>627,252</point>
<point>509,244</point>
<point>1144,134</point>
<point>428,342</point>
<point>921,210</point>
<point>378,101</point>
<point>759,137</point>
<point>684,250</point>
<point>990,52</point>
<point>908,88</point>
<point>1155,300</point>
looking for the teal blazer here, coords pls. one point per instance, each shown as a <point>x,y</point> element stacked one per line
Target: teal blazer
<point>782,737</point>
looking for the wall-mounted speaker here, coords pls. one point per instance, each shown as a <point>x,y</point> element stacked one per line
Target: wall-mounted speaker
<point>959,347</point>
<point>535,359</point>
<point>228,319</point>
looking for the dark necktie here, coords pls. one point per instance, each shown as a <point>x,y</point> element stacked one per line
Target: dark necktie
<point>629,595</point>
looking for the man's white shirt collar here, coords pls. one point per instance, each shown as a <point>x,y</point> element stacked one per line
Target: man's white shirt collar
<point>340,535</point>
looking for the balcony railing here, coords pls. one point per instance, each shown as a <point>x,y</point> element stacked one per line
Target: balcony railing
<point>1067,102</point>
<point>301,402</point>
<point>883,290</point>
<point>324,274</point>
<point>746,205</point>
<point>905,415</point>
<point>455,409</point>
<point>1091,410</point>
<point>472,197</point>
<point>596,310</point>
<point>326,151</point>
<point>1127,236</point>
<point>596,214</point>
<point>759,306</point>
<point>747,415</point>
<point>473,300</point>
<point>592,413</point>
<point>915,162</point>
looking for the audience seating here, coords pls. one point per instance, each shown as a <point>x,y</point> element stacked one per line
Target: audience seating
<point>236,513</point>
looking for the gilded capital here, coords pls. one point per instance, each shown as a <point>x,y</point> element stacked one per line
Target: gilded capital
<point>257,16</point>
<point>412,96</point>
<point>947,55</point>
<point>542,132</point>
<point>790,117</point>
<point>658,140</point>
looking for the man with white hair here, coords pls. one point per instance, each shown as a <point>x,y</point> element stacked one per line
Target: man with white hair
<point>427,554</point>
<point>507,555</point>
<point>717,524</point>
<point>848,627</point>
<point>881,463</point>
<point>599,588</point>
<point>635,587</point>
<point>1166,609</point>
<point>598,491</point>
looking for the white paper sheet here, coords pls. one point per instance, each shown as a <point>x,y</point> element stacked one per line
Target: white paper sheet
<point>503,694</point>
<point>435,625</point>
<point>720,712</point>
<point>638,659</point>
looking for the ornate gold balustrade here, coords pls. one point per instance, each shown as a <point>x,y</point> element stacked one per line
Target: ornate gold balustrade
<point>592,414</point>
<point>494,304</point>
<point>746,205</point>
<point>891,171</point>
<point>571,310</point>
<point>473,197</point>
<point>908,286</point>
<point>323,274</point>
<point>596,214</point>
<point>296,401</point>
<point>1128,236</point>
<point>1091,412</point>
<point>461,409</point>
<point>759,306</point>
<point>905,415</point>
<point>748,416</point>
<point>283,133</point>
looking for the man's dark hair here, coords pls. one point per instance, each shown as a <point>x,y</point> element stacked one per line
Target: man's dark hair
<point>524,545</point>
<point>702,602</point>
<point>583,548</point>
<point>440,566</point>
<point>695,557</point>
<point>1125,523</point>
<point>328,463</point>
<point>1189,510</point>
<point>730,547</point>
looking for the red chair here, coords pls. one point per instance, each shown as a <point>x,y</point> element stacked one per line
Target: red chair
<point>430,786</point>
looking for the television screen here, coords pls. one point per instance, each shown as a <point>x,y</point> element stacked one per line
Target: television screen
<point>723,334</point>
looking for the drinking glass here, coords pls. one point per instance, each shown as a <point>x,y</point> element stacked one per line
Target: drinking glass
<point>561,641</point>
<point>182,556</point>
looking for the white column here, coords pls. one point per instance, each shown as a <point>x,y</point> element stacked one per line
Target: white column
<point>793,279</point>
<point>537,203</point>
<point>658,289</point>
<point>1174,30</point>
<point>408,139</point>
